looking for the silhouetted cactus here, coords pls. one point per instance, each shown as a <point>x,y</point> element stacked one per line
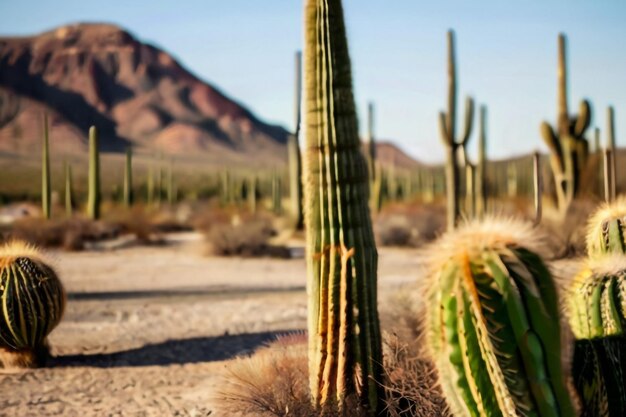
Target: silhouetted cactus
<point>344,331</point>
<point>128,178</point>
<point>568,147</point>
<point>93,202</point>
<point>447,126</point>
<point>46,190</point>
<point>33,302</point>
<point>481,166</point>
<point>494,325</point>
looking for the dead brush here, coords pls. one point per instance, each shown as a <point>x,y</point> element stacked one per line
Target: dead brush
<point>409,225</point>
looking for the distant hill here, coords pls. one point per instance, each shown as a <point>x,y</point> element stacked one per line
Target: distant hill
<point>135,93</point>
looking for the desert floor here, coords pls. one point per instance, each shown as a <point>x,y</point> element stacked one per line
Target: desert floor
<point>148,330</point>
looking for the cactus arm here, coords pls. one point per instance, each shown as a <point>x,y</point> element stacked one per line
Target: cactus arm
<point>615,238</point>
<point>563,118</point>
<point>584,118</point>
<point>451,87</point>
<point>469,121</point>
<point>443,128</point>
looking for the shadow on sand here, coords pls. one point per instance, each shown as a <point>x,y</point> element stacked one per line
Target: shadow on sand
<point>174,352</point>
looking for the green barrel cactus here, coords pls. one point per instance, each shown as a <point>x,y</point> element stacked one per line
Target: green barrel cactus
<point>597,307</point>
<point>345,354</point>
<point>606,229</point>
<point>33,301</point>
<point>494,325</point>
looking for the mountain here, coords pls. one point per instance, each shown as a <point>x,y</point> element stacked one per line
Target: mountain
<point>135,93</point>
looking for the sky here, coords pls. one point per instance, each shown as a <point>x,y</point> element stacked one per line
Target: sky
<point>506,57</point>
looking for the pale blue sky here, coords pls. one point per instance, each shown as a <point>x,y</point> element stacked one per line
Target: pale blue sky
<point>506,53</point>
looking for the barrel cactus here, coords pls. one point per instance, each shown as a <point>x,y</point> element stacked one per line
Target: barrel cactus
<point>33,301</point>
<point>493,323</point>
<point>597,310</point>
<point>606,229</point>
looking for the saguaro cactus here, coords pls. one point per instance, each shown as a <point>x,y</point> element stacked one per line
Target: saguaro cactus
<point>93,202</point>
<point>481,166</point>
<point>69,194</point>
<point>45,171</point>
<point>598,320</point>
<point>33,302</point>
<point>447,126</point>
<point>494,323</point>
<point>128,178</point>
<point>344,332</point>
<point>610,145</point>
<point>293,149</point>
<point>568,147</point>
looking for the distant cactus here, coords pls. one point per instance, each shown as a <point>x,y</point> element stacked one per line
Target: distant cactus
<point>447,126</point>
<point>481,166</point>
<point>150,186</point>
<point>345,354</point>
<point>494,323</point>
<point>171,189</point>
<point>46,189</point>
<point>251,190</point>
<point>371,143</point>
<point>568,147</point>
<point>69,193</point>
<point>610,145</point>
<point>293,149</point>
<point>128,178</point>
<point>598,319</point>
<point>93,202</point>
<point>277,194</point>
<point>537,187</point>
<point>33,304</point>
<point>606,230</point>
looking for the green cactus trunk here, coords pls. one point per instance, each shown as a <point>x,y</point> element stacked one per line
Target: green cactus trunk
<point>46,190</point>
<point>610,133</point>
<point>69,194</point>
<point>150,186</point>
<point>598,321</point>
<point>128,178</point>
<point>293,149</point>
<point>93,201</point>
<point>277,195</point>
<point>494,326</point>
<point>481,166</point>
<point>345,354</point>
<point>251,191</point>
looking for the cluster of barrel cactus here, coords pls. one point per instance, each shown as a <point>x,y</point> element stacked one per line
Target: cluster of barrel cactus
<point>33,301</point>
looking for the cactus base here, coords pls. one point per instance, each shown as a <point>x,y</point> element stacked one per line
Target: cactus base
<point>14,360</point>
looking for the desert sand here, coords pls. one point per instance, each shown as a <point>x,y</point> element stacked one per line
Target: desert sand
<point>148,330</point>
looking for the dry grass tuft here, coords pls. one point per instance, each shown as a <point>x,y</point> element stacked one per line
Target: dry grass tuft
<point>247,237</point>
<point>409,225</point>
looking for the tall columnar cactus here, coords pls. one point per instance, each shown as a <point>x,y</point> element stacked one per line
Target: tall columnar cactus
<point>598,319</point>
<point>371,143</point>
<point>93,202</point>
<point>606,230</point>
<point>481,166</point>
<point>494,323</point>
<point>537,187</point>
<point>454,146</point>
<point>69,193</point>
<point>294,154</point>
<point>610,137</point>
<point>251,190</point>
<point>344,332</point>
<point>46,191</point>
<point>568,147</point>
<point>33,302</point>
<point>277,194</point>
<point>128,178</point>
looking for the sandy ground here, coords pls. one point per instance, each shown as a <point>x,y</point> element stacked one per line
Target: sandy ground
<point>149,329</point>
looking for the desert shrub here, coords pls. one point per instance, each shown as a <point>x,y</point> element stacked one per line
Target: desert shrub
<point>566,237</point>
<point>247,238</point>
<point>409,225</point>
<point>70,234</point>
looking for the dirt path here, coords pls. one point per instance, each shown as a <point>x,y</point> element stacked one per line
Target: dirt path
<point>148,329</point>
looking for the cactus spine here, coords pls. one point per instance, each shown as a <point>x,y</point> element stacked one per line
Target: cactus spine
<point>293,149</point>
<point>128,178</point>
<point>568,147</point>
<point>447,126</point>
<point>46,191</point>
<point>93,202</point>
<point>345,354</point>
<point>33,301</point>
<point>494,324</point>
<point>69,194</point>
